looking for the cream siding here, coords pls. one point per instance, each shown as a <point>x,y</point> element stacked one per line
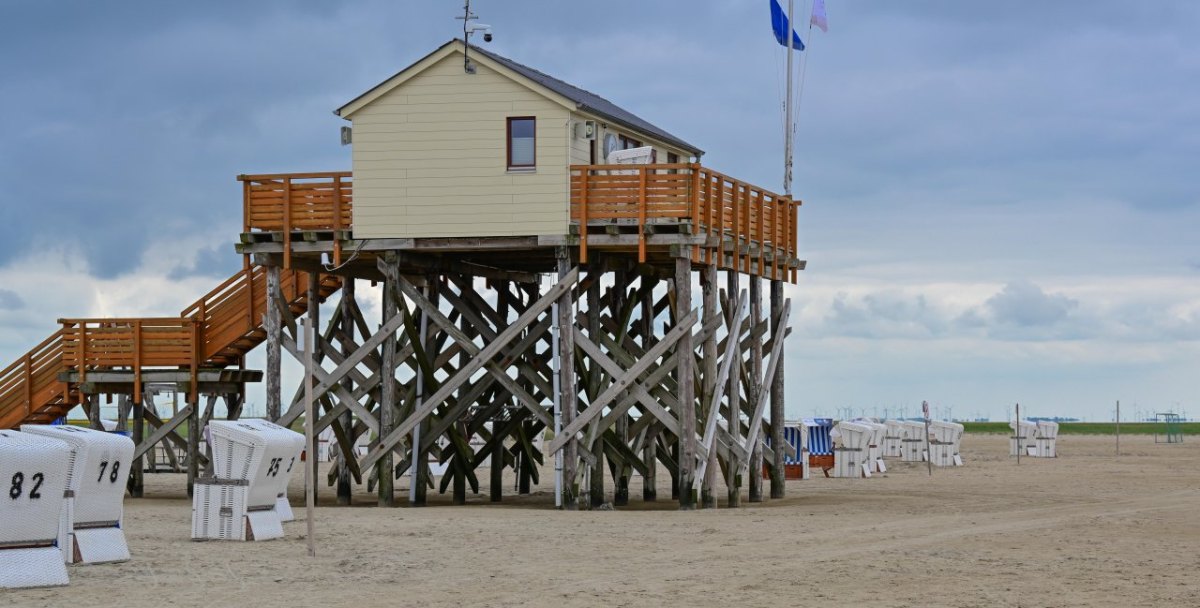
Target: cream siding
<point>430,158</point>
<point>581,154</point>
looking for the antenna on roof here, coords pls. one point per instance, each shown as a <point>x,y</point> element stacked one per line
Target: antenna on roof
<point>468,29</point>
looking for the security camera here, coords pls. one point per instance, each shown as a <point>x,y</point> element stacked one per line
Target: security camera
<point>481,27</point>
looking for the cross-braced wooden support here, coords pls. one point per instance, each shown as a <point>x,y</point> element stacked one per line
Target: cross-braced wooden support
<point>461,372</point>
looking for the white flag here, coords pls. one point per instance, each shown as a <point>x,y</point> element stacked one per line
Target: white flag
<point>818,16</point>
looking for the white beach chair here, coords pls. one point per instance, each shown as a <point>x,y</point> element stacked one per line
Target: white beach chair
<point>944,438</point>
<point>913,443</point>
<point>1047,439</point>
<point>252,462</point>
<point>1023,437</point>
<point>34,472</point>
<point>894,432</point>
<point>851,441</point>
<point>93,515</point>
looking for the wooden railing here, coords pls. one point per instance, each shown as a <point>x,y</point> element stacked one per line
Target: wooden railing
<point>760,224</point>
<point>31,382</point>
<point>236,308</point>
<point>170,342</point>
<point>215,330</point>
<point>298,202</point>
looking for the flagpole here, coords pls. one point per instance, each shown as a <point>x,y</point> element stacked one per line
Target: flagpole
<point>787,137</point>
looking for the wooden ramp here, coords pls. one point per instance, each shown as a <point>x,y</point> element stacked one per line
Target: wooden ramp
<point>214,332</point>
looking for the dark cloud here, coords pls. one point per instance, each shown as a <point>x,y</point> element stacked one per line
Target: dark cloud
<point>9,300</point>
<point>884,314</point>
<point>1024,304</point>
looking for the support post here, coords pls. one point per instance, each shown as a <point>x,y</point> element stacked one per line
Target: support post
<point>525,476</point>
<point>778,484</point>
<point>193,440</point>
<point>756,355</point>
<point>708,287</point>
<point>419,473</point>
<point>687,398</point>
<point>273,325</point>
<point>390,265</point>
<point>624,469</point>
<point>92,406</point>
<point>650,444</point>
<point>593,382</point>
<point>313,298</point>
<point>733,480</point>
<point>137,476</point>
<point>568,393</point>
<point>460,477</point>
<point>348,311</point>
<point>496,484</point>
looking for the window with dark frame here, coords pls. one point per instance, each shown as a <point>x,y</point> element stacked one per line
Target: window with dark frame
<point>522,146</point>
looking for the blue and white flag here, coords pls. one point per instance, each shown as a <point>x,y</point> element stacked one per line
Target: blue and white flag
<point>819,18</point>
<point>779,23</point>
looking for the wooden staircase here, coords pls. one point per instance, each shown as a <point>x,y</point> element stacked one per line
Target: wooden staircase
<point>214,332</point>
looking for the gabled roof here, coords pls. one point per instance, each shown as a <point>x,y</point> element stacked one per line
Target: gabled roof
<point>584,100</point>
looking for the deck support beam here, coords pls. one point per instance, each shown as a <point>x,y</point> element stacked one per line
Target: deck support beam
<point>274,328</point>
<point>622,469</point>
<point>348,310</point>
<point>755,389</point>
<point>313,298</point>
<point>137,476</point>
<point>650,443</point>
<point>687,400</point>
<point>708,287</point>
<point>568,390</point>
<point>594,382</point>
<point>778,484</point>
<point>390,268</point>
<point>733,477</point>
<point>193,441</point>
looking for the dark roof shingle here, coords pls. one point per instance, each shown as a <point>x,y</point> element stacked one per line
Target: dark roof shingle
<point>589,101</point>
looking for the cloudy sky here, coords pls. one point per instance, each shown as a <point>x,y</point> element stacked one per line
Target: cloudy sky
<point>1001,198</point>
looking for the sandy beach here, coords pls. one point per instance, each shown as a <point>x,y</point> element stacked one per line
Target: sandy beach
<point>1086,529</point>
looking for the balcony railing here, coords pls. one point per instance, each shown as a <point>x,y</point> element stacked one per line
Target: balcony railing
<point>298,202</point>
<point>31,381</point>
<point>170,342</point>
<point>234,310</point>
<point>750,225</point>
<point>751,229</point>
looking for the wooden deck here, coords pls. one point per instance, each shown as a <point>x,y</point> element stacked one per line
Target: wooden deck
<point>753,230</point>
<point>625,209</point>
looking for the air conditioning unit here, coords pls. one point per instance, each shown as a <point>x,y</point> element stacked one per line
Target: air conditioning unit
<point>585,129</point>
